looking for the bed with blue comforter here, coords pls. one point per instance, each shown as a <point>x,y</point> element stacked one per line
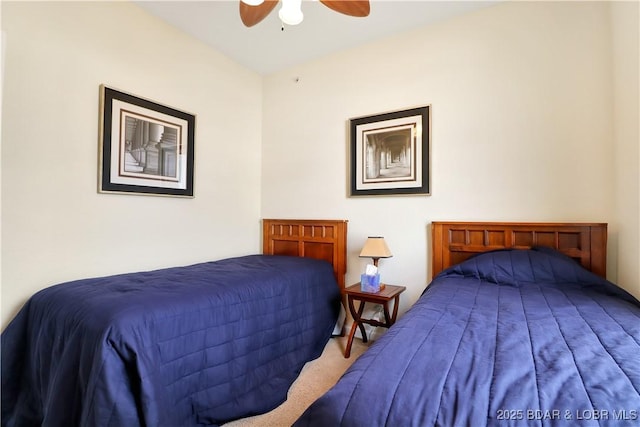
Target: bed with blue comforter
<point>184,346</point>
<point>506,338</point>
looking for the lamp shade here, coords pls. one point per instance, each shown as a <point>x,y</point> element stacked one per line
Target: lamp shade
<point>375,247</point>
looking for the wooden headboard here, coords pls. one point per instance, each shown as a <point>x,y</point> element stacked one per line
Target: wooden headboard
<point>320,239</point>
<point>453,242</point>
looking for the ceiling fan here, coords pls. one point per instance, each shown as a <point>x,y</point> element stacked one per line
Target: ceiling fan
<point>254,11</point>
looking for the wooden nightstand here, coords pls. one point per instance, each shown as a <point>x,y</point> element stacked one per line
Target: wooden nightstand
<point>383,298</point>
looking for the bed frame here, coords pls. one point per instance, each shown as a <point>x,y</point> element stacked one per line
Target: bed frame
<point>320,239</point>
<point>453,242</point>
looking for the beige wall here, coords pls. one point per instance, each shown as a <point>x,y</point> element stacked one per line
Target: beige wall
<point>522,129</point>
<point>55,225</point>
<point>626,114</point>
<point>532,120</point>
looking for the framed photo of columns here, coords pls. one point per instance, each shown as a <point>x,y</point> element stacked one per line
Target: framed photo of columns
<point>390,153</point>
<point>145,147</point>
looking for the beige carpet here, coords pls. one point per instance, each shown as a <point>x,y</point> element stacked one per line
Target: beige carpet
<point>316,377</point>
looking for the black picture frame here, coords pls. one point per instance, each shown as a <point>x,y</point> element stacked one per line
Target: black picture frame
<point>144,147</point>
<point>390,153</point>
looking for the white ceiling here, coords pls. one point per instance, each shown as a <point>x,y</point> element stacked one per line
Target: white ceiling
<point>265,48</point>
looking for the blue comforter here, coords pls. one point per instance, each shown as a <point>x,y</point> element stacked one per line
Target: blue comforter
<point>508,338</point>
<point>183,346</point>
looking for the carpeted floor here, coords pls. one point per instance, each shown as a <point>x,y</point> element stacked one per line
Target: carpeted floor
<point>316,377</point>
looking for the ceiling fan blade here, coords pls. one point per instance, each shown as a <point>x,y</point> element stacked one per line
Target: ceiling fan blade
<point>251,15</point>
<point>359,8</point>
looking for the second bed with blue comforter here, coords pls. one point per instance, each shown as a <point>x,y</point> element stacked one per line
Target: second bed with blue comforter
<point>185,346</point>
<point>508,338</point>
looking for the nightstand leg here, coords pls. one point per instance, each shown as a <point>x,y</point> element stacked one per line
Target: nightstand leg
<point>396,300</point>
<point>387,318</point>
<point>357,322</point>
<point>347,351</point>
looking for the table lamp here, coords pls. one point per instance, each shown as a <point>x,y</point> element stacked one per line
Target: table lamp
<point>375,248</point>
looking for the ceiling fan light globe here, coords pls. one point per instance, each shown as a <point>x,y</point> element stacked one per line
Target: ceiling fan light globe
<point>291,12</point>
<point>253,2</point>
